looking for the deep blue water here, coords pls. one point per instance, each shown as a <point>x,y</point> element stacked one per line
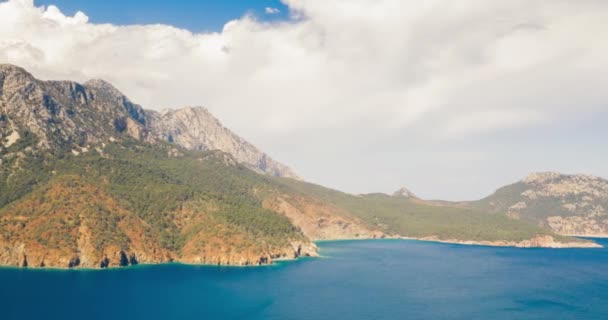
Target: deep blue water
<point>380,279</point>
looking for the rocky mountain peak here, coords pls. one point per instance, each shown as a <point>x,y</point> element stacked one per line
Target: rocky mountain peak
<point>103,86</point>
<point>12,76</point>
<point>406,193</point>
<point>67,115</point>
<point>107,91</point>
<point>541,177</point>
<point>195,128</point>
<point>7,68</point>
<point>198,112</point>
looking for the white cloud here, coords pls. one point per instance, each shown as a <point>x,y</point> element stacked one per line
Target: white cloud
<point>482,121</point>
<point>270,10</point>
<point>439,69</point>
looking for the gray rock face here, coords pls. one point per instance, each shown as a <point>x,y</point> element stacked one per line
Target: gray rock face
<point>65,115</point>
<point>194,128</point>
<point>406,193</point>
<point>551,184</point>
<point>62,114</point>
<point>566,204</point>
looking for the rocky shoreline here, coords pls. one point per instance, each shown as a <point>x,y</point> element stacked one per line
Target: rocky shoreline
<point>18,256</point>
<point>537,242</point>
<point>12,258</point>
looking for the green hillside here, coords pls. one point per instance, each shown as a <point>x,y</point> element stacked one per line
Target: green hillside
<point>174,199</point>
<point>416,218</point>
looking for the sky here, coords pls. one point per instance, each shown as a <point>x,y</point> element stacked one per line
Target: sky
<point>451,99</point>
<point>194,15</point>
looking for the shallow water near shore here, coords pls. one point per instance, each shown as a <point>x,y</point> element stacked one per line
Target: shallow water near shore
<point>375,279</point>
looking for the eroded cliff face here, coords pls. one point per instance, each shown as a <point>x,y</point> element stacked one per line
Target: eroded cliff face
<point>35,255</point>
<point>220,254</point>
<point>321,221</point>
<point>566,204</point>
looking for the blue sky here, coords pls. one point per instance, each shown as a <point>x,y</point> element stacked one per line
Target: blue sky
<point>194,15</point>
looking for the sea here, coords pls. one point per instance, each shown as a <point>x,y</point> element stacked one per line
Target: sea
<point>367,280</point>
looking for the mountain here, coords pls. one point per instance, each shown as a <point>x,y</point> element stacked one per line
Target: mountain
<point>565,204</point>
<point>62,114</point>
<point>90,179</point>
<point>65,114</point>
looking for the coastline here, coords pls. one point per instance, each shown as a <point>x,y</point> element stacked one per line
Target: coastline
<point>545,243</point>
<point>587,236</point>
<point>275,263</point>
<point>542,242</point>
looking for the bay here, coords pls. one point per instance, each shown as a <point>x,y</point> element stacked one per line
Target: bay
<point>375,279</point>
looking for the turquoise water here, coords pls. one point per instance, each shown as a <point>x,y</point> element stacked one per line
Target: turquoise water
<point>382,279</point>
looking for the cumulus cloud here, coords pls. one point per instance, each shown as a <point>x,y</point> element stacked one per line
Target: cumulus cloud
<point>270,10</point>
<point>436,70</point>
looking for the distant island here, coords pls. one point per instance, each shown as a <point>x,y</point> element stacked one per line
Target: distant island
<point>89,179</point>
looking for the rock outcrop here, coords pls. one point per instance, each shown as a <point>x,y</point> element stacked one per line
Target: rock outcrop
<point>60,114</point>
<point>405,193</point>
<point>194,128</point>
<point>566,204</point>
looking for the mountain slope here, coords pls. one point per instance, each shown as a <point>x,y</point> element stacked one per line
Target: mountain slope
<point>68,115</point>
<point>90,179</point>
<point>565,204</point>
<point>139,202</point>
<point>61,115</point>
<point>194,128</point>
<point>400,216</point>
